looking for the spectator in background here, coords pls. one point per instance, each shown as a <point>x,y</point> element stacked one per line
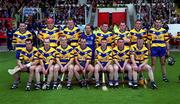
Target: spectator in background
<point>10,32</point>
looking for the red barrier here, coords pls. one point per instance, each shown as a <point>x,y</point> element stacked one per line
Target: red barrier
<point>118,17</point>
<point>103,18</point>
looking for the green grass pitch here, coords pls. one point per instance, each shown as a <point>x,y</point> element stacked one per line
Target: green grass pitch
<point>167,93</point>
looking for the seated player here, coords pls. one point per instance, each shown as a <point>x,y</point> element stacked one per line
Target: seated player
<point>139,58</point>
<point>103,62</point>
<point>46,56</point>
<point>82,60</point>
<point>64,59</point>
<point>121,57</point>
<point>27,55</point>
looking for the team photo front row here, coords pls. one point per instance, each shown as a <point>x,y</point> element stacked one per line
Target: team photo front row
<point>100,67</point>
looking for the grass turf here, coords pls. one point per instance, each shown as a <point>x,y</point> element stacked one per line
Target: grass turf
<point>167,93</point>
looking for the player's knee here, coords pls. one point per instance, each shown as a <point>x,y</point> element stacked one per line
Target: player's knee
<point>97,68</point>
<point>111,69</point>
<point>163,62</point>
<point>134,68</point>
<point>37,69</point>
<point>71,67</point>
<point>32,68</point>
<point>115,68</point>
<point>91,68</point>
<point>56,67</point>
<point>153,61</point>
<point>56,70</point>
<point>51,69</point>
<point>76,68</point>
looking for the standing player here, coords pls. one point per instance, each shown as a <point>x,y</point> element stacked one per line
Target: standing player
<point>19,38</point>
<point>159,45</point>
<point>72,33</point>
<point>103,62</point>
<point>27,55</point>
<point>47,59</point>
<point>121,57</point>
<point>122,33</point>
<point>50,32</point>
<point>64,59</point>
<point>137,32</point>
<point>139,58</point>
<point>104,33</point>
<point>82,60</point>
<point>90,40</point>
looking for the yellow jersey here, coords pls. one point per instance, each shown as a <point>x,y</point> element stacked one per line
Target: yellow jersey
<point>47,55</point>
<point>140,55</point>
<point>158,38</point>
<point>20,38</point>
<point>121,55</point>
<point>72,35</point>
<point>121,35</point>
<point>53,34</point>
<point>134,35</point>
<point>103,55</point>
<point>65,54</point>
<point>108,35</point>
<point>83,55</point>
<point>28,56</point>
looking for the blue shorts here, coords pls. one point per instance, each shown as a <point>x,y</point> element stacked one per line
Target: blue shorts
<point>63,65</point>
<point>82,63</point>
<point>18,52</point>
<point>121,63</point>
<point>158,51</point>
<point>104,63</point>
<point>46,66</point>
<point>138,64</point>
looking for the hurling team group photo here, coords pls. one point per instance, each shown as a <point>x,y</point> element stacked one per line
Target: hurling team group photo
<point>95,45</point>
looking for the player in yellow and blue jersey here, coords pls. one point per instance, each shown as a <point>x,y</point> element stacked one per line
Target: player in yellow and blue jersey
<point>139,58</point>
<point>122,33</point>
<point>104,33</point>
<point>72,33</point>
<point>27,55</point>
<point>19,38</point>
<point>64,61</point>
<point>50,32</point>
<point>103,61</point>
<point>47,60</point>
<point>159,45</point>
<point>121,57</point>
<point>83,62</point>
<point>137,32</point>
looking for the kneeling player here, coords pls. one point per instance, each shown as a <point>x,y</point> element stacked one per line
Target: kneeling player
<point>103,62</point>
<point>46,56</point>
<point>82,59</point>
<point>139,58</point>
<point>64,58</point>
<point>27,56</point>
<point>121,58</point>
